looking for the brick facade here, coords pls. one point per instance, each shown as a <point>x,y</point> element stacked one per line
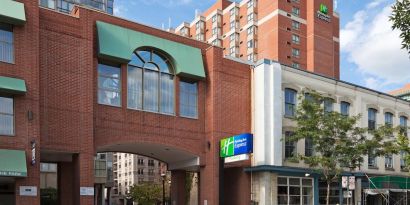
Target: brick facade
<point>56,54</point>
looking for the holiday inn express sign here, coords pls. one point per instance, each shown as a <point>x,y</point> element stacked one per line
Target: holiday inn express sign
<point>236,145</point>
<point>323,13</point>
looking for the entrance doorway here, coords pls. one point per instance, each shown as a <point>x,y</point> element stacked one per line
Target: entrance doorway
<point>7,194</point>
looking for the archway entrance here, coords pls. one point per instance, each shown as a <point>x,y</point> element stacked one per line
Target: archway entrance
<point>167,174</point>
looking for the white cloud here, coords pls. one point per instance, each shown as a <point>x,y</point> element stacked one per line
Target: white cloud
<point>370,43</point>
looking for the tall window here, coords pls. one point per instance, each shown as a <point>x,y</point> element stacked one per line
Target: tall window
<point>295,39</point>
<point>344,108</point>
<point>403,125</point>
<point>150,82</point>
<point>290,102</point>
<point>388,119</point>
<point>6,43</point>
<point>328,105</point>
<point>188,99</point>
<point>372,118</point>
<point>308,147</point>
<point>295,190</point>
<point>109,85</point>
<point>6,116</point>
<point>372,160</point>
<point>402,160</point>
<point>290,146</point>
<point>295,11</point>
<point>295,25</point>
<point>295,52</point>
<point>388,161</point>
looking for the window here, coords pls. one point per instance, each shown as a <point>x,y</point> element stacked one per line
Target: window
<point>64,6</point>
<point>344,108</point>
<point>150,172</point>
<point>295,25</point>
<point>295,190</point>
<point>290,102</point>
<point>214,18</point>
<point>295,39</point>
<point>109,85</point>
<point>251,17</point>
<point>6,43</point>
<point>388,161</point>
<point>388,119</point>
<point>150,82</point>
<point>6,116</point>
<point>250,3</point>
<point>402,160</point>
<point>295,11</point>
<point>372,118</point>
<point>403,125</point>
<point>251,44</point>
<point>188,99</point>
<point>233,25</point>
<point>251,57</point>
<point>308,147</point>
<point>295,52</point>
<point>295,65</point>
<point>151,162</point>
<point>290,147</point>
<point>334,194</point>
<point>372,160</point>
<point>251,30</point>
<point>328,105</point>
<point>140,171</point>
<point>233,12</point>
<point>48,3</point>
<point>140,161</point>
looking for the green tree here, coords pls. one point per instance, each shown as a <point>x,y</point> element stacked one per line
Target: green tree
<point>401,21</point>
<point>146,193</point>
<point>338,142</point>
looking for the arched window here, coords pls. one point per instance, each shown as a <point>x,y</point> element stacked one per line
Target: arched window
<point>150,82</point>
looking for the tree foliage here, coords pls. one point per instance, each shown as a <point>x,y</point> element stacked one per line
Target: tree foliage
<point>146,193</point>
<point>338,142</point>
<point>401,21</point>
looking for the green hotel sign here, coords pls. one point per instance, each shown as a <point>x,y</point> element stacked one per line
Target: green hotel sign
<point>236,145</point>
<point>323,9</point>
<point>323,13</point>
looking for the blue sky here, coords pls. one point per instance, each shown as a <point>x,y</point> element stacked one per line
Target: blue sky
<point>370,50</point>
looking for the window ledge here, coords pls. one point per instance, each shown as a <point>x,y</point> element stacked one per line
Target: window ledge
<point>154,112</point>
<point>289,117</point>
<point>4,135</point>
<point>389,169</point>
<point>187,117</point>
<point>115,106</point>
<point>372,167</point>
<point>10,63</point>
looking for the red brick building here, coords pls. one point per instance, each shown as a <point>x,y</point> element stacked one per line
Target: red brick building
<point>303,34</point>
<point>75,85</point>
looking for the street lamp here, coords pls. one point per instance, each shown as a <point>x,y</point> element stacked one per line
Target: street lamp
<point>163,188</point>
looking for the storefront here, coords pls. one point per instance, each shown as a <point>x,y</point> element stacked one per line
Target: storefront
<point>13,166</point>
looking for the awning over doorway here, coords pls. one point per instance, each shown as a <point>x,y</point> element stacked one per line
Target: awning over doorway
<point>12,12</point>
<point>12,85</point>
<point>13,163</point>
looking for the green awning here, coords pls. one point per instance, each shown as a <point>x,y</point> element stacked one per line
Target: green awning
<point>12,85</point>
<point>389,182</point>
<point>13,163</point>
<point>12,12</point>
<point>117,44</point>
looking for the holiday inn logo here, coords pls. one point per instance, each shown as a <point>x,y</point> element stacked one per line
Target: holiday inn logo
<point>322,14</point>
<point>227,147</point>
<point>324,9</point>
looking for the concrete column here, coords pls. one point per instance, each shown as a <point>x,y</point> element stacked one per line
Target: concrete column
<point>358,191</point>
<point>267,188</point>
<point>178,190</point>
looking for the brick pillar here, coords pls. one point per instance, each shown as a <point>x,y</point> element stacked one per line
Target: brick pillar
<point>178,190</point>
<point>84,177</point>
<point>66,183</point>
<point>32,179</point>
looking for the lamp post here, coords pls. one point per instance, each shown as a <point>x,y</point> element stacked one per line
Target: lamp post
<point>163,188</point>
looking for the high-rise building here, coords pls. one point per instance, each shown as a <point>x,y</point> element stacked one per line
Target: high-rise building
<point>67,5</point>
<point>298,33</point>
<point>403,92</point>
<point>130,169</point>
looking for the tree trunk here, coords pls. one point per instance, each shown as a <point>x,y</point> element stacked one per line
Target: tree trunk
<point>328,193</point>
